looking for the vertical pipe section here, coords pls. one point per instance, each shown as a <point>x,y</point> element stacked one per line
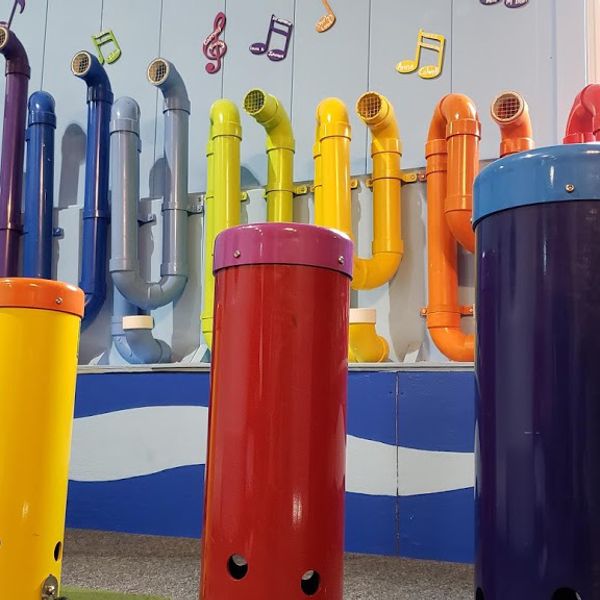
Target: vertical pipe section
<point>13,144</point>
<point>386,150</point>
<point>583,124</point>
<point>333,202</point>
<point>96,211</point>
<point>443,310</point>
<point>42,320</point>
<point>223,193</point>
<point>270,113</point>
<point>125,265</point>
<point>280,289</point>
<point>39,187</point>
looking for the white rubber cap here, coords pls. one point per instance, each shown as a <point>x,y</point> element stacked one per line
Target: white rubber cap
<point>138,322</point>
<point>363,315</point>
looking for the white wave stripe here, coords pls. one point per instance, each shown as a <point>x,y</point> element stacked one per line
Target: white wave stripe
<point>143,441</point>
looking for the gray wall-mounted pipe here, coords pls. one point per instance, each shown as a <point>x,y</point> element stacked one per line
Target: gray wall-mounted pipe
<point>134,341</point>
<point>125,161</point>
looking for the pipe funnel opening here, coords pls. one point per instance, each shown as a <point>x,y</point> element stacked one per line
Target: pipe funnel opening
<point>3,37</point>
<point>254,101</point>
<point>158,71</point>
<point>507,107</point>
<point>81,64</point>
<point>369,105</point>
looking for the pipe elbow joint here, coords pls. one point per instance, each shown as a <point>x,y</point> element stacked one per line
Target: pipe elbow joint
<point>511,113</point>
<point>125,116</point>
<point>332,119</point>
<point>88,68</point>
<point>371,273</point>
<point>364,344</point>
<point>270,113</point>
<point>41,110</point>
<point>454,343</point>
<point>17,62</point>
<point>224,121</point>
<point>163,75</point>
<point>148,296</point>
<point>459,222</point>
<point>137,330</point>
<point>377,113</point>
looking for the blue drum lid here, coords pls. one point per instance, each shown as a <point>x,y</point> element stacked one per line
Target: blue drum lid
<point>553,174</point>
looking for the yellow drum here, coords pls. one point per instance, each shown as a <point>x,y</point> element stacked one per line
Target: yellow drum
<point>39,337</point>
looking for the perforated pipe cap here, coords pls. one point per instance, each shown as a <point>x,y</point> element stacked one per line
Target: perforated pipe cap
<point>369,105</point>
<point>158,71</point>
<point>81,63</point>
<point>4,35</point>
<point>138,322</point>
<point>254,101</point>
<point>507,107</point>
<point>363,315</point>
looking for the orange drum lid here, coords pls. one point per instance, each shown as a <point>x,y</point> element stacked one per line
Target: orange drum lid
<point>23,292</point>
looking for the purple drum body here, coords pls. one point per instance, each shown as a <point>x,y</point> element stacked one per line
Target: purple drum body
<point>537,223</point>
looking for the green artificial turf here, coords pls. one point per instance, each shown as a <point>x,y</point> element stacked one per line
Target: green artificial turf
<point>77,594</point>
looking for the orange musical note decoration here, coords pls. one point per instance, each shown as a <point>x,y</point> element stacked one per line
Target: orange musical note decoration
<point>327,21</point>
<point>427,71</point>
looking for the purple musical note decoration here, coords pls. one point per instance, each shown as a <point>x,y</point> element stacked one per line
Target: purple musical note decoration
<point>21,5</point>
<point>515,3</point>
<point>214,48</point>
<point>486,2</point>
<point>285,29</point>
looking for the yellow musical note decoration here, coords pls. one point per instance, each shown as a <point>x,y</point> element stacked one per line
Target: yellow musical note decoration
<point>427,71</point>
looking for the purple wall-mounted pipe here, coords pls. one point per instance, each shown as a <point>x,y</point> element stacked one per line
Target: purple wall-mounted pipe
<point>96,210</point>
<point>13,146</point>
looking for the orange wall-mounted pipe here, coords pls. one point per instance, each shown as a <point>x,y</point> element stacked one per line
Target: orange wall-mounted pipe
<point>452,153</point>
<point>386,150</point>
<point>510,111</point>
<point>584,120</point>
<point>455,120</point>
<point>443,310</point>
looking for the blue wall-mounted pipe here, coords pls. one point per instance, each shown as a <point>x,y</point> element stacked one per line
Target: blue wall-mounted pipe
<point>39,187</point>
<point>96,210</point>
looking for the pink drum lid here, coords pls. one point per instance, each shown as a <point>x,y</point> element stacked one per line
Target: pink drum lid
<point>283,244</point>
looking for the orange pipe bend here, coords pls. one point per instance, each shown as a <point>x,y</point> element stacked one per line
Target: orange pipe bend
<point>584,120</point>
<point>455,120</point>
<point>443,310</point>
<point>511,113</point>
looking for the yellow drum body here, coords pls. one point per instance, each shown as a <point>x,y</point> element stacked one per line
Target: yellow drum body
<point>39,337</point>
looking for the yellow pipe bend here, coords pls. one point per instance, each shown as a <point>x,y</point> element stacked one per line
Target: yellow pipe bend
<point>386,151</point>
<point>223,193</point>
<point>364,345</point>
<point>280,144</point>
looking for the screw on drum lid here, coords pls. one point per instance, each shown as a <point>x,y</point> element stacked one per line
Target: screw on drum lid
<point>283,244</point>
<point>45,294</point>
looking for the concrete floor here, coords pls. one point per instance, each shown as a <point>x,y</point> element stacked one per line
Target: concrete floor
<point>169,567</point>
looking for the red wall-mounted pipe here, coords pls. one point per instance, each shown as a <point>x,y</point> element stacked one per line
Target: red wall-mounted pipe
<point>583,124</point>
<point>275,480</point>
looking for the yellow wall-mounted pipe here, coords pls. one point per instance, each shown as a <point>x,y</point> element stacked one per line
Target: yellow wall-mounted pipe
<point>365,346</point>
<point>386,150</point>
<point>223,193</point>
<point>271,114</point>
<point>332,167</point>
